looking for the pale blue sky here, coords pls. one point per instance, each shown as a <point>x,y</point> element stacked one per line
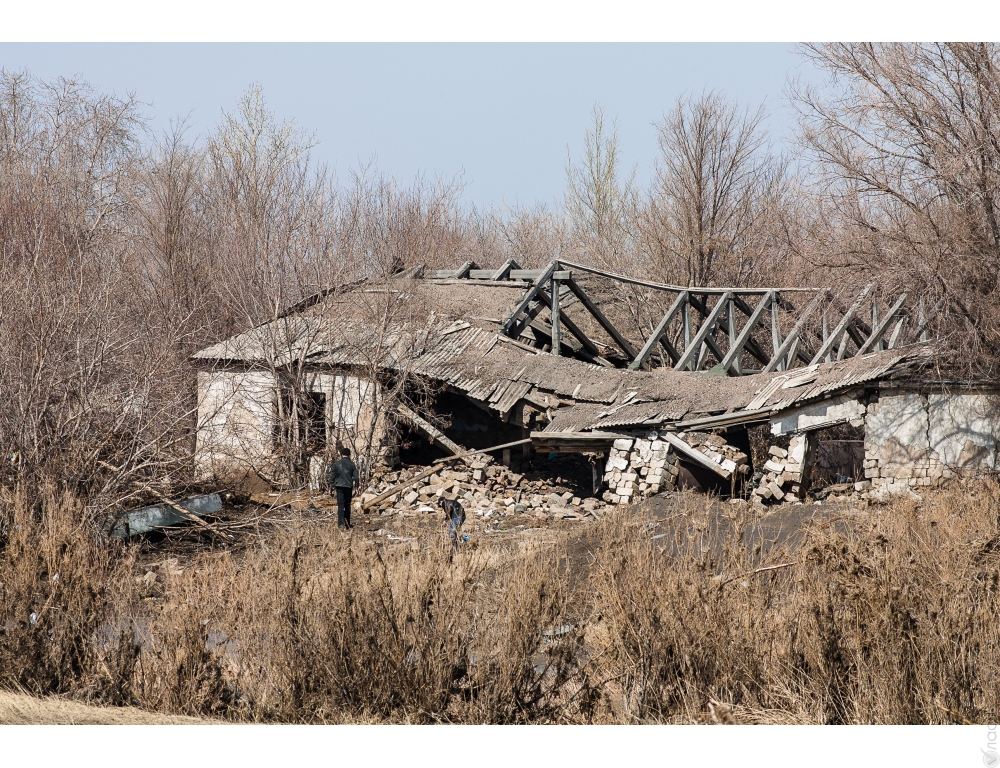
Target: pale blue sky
<point>502,115</point>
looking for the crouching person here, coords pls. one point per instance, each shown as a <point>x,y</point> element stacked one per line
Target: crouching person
<point>454,516</point>
<point>342,478</point>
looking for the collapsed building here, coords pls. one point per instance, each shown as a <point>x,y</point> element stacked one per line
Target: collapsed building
<point>761,392</point>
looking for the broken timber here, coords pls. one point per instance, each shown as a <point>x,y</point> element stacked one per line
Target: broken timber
<point>435,434</point>
<point>739,333</point>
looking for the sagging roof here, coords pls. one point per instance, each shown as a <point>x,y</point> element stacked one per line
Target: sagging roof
<point>450,330</point>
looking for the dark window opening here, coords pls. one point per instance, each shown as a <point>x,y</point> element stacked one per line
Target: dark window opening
<point>300,421</point>
<point>312,407</point>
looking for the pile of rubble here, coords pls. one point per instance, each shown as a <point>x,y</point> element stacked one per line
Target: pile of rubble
<point>485,489</point>
<point>781,476</point>
<point>638,468</point>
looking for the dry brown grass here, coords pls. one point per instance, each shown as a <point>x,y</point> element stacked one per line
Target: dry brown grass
<point>22,709</point>
<point>888,616</point>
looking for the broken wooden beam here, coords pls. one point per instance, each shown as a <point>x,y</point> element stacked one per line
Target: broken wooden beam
<point>793,336</point>
<point>842,325</point>
<point>693,454</point>
<point>736,346</point>
<point>603,321</point>
<point>478,451</point>
<point>435,434</point>
<point>678,288</point>
<point>574,442</point>
<point>570,325</point>
<point>702,335</point>
<point>661,328</point>
<point>530,296</point>
<point>880,327</point>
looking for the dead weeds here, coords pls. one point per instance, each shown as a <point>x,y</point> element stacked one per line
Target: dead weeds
<point>684,610</point>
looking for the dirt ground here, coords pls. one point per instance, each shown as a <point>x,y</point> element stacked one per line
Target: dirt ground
<point>680,520</point>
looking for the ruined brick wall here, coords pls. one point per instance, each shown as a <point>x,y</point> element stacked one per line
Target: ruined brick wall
<point>915,440</point>
<point>237,412</point>
<point>638,468</point>
<point>785,474</point>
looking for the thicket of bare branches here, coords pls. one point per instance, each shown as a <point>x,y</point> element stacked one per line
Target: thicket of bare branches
<point>124,252</point>
<point>906,151</point>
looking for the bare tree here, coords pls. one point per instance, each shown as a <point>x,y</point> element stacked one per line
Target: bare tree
<point>599,202</point>
<point>906,142</point>
<point>711,216</point>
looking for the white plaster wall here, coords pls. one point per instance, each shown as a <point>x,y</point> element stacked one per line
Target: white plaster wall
<point>819,415</point>
<point>346,397</point>
<point>236,417</point>
<point>964,429</point>
<point>919,440</point>
<point>236,412</point>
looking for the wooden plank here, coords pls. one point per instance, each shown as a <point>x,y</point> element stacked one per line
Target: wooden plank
<point>731,322</point>
<point>660,329</point>
<point>924,318</point>
<point>694,454</point>
<point>574,442</point>
<point>702,335</point>
<point>571,326</point>
<point>463,271</point>
<point>555,312</point>
<point>751,345</point>
<point>737,346</point>
<point>505,269</point>
<point>670,348</point>
<point>467,454</point>
<point>842,349</point>
<point>538,274</point>
<point>529,296</point>
<point>679,288</point>
<point>603,321</point>
<point>686,324</point>
<point>896,332</point>
<point>775,327</point>
<point>842,325</point>
<point>436,435</point>
<point>401,487</point>
<point>701,304</point>
<point>793,335</point>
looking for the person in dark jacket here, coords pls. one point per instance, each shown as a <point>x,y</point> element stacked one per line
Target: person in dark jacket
<point>342,478</point>
<point>454,515</point>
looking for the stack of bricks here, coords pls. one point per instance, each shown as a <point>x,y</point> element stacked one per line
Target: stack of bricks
<point>784,472</point>
<point>638,468</point>
<point>727,456</point>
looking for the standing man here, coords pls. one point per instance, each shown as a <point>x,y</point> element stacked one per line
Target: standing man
<point>342,476</point>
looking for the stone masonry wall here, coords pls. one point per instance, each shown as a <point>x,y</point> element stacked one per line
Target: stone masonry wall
<point>913,440</point>
<point>638,468</point>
